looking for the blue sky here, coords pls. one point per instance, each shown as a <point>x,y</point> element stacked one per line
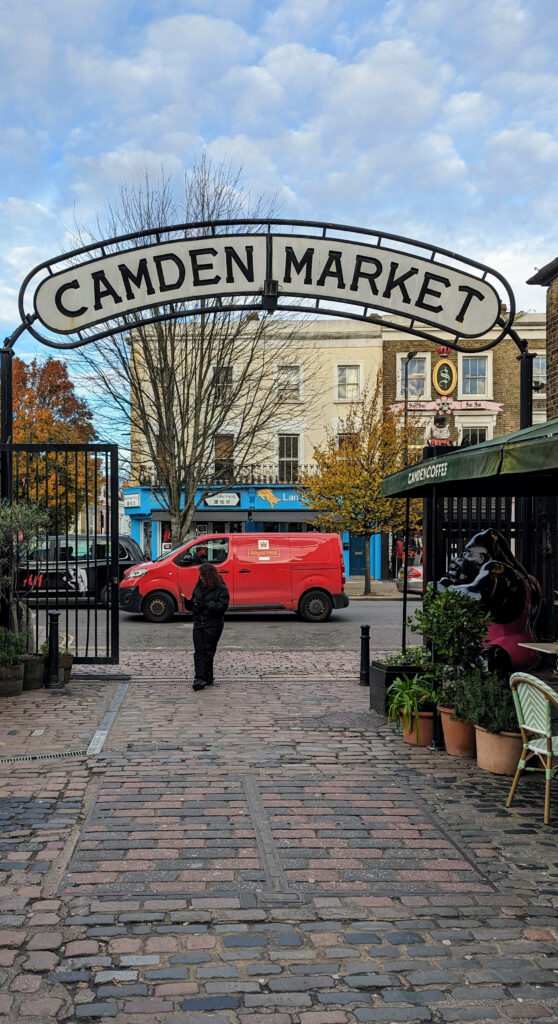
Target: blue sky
<point>435,119</point>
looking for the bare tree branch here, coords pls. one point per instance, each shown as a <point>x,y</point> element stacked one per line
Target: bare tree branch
<point>183,382</point>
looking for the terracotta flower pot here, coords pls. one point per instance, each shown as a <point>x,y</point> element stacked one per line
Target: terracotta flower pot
<point>11,680</point>
<point>33,672</point>
<point>498,752</point>
<point>459,737</point>
<point>426,719</point>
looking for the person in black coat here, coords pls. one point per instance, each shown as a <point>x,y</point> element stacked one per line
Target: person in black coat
<point>209,602</point>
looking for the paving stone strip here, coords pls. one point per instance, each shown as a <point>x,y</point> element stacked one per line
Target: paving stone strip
<point>269,853</point>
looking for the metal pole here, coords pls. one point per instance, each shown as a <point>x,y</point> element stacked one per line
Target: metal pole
<point>526,388</point>
<point>405,577</point>
<point>52,676</point>
<point>6,422</point>
<point>409,356</point>
<point>364,656</point>
<point>6,429</point>
<point>437,740</point>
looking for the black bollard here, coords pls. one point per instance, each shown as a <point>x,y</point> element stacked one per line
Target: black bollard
<point>437,735</point>
<point>364,656</point>
<point>52,676</point>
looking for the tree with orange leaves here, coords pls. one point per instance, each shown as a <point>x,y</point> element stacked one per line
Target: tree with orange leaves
<point>46,407</point>
<point>47,410</point>
<point>370,443</point>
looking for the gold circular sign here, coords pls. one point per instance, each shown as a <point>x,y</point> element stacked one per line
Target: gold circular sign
<point>444,377</point>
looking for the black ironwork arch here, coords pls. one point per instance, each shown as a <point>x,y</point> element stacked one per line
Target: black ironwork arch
<point>325,269</point>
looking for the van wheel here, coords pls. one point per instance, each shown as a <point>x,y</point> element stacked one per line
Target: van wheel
<point>158,607</point>
<point>315,606</point>
<point>103,596</point>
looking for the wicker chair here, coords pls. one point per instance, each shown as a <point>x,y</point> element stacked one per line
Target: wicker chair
<point>534,701</point>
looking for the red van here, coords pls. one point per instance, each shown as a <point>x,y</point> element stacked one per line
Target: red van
<point>302,572</point>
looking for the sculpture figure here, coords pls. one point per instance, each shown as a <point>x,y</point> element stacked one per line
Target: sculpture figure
<point>488,571</point>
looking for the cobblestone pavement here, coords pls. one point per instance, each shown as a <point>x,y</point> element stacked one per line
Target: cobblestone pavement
<point>266,851</point>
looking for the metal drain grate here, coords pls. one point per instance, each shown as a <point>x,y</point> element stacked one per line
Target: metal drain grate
<point>42,757</point>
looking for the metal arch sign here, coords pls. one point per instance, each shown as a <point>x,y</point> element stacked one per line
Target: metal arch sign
<point>333,270</point>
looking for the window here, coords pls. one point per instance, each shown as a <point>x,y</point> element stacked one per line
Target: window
<point>345,441</point>
<point>215,551</point>
<point>223,379</point>
<point>417,377</point>
<point>288,383</point>
<point>348,383</point>
<point>539,375</point>
<point>224,457</point>
<point>288,458</point>
<point>474,374</point>
<point>473,435</point>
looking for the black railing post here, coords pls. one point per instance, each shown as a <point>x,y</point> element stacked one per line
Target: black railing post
<point>52,676</point>
<point>437,735</point>
<point>364,656</point>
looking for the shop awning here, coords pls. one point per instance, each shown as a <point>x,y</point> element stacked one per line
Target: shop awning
<point>524,462</point>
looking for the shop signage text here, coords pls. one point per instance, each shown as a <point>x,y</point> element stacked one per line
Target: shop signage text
<point>225,499</point>
<point>189,270</point>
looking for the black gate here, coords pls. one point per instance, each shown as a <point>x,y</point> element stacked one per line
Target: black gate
<point>71,564</point>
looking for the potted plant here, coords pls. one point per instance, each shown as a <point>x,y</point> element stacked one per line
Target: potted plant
<point>383,673</point>
<point>411,702</point>
<point>454,626</point>
<point>459,733</point>
<point>488,705</point>
<point>12,653</point>
<point>65,658</point>
<point>34,671</point>
<point>20,524</point>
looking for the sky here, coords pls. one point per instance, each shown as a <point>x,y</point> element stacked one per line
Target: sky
<point>434,119</point>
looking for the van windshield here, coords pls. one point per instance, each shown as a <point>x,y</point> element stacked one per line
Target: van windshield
<point>168,554</point>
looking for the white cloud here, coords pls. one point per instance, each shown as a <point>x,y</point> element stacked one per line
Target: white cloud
<point>467,111</point>
<point>433,117</point>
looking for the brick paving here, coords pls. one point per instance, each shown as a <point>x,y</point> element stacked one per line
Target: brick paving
<point>263,852</point>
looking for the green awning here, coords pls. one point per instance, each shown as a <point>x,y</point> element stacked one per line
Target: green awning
<point>525,462</point>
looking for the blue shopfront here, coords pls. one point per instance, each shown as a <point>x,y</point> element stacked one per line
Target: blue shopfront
<point>242,508</point>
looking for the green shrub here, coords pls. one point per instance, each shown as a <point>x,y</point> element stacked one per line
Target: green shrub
<point>453,625</point>
<point>408,695</point>
<point>13,647</point>
<point>411,656</point>
<point>485,699</point>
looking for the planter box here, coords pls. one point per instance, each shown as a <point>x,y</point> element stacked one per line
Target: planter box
<point>11,680</point>
<point>65,662</point>
<point>33,672</point>
<point>381,677</point>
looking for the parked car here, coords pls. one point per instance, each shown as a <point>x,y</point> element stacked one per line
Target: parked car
<point>300,572</point>
<point>414,579</point>
<point>74,564</point>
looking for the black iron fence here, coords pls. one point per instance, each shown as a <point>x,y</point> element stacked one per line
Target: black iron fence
<point>70,562</point>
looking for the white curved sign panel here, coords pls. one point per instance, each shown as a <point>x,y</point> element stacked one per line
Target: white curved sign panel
<point>340,272</point>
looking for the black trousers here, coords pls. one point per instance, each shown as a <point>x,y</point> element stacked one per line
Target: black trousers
<point>206,637</point>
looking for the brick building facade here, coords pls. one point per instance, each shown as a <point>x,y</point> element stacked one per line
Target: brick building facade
<point>547,276</point>
<point>477,393</point>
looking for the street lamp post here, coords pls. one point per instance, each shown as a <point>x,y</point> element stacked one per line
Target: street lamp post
<point>408,357</point>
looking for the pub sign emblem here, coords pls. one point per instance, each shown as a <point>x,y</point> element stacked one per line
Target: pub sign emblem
<point>444,377</point>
